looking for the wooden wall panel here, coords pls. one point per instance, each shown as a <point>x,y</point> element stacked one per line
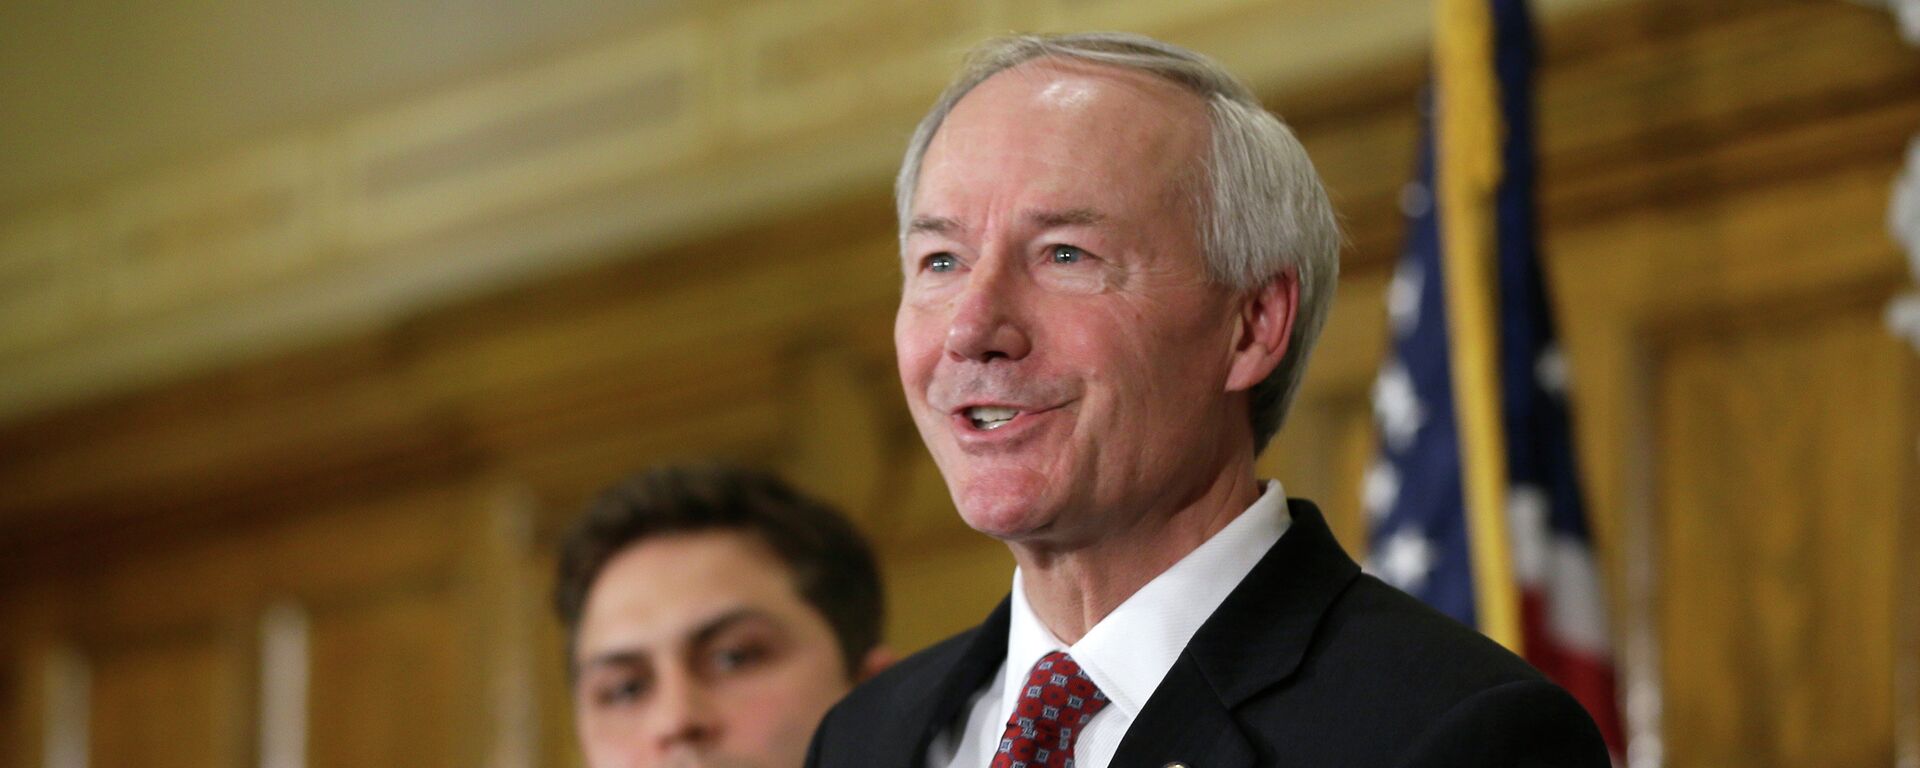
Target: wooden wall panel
<point>1783,442</point>
<point>389,683</point>
<point>557,747</point>
<point>167,702</point>
<point>170,641</point>
<point>1323,456</point>
<point>13,715</point>
<point>934,592</point>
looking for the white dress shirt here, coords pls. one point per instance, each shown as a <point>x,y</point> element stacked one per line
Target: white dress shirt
<point>1128,652</point>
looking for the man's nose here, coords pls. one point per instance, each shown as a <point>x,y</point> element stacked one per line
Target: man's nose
<point>683,714</point>
<point>987,323</point>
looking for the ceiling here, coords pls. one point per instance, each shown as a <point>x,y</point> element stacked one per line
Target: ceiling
<point>194,183</point>
<point>93,88</point>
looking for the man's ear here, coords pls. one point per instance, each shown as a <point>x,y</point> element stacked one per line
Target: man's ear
<point>876,660</point>
<point>1263,327</point>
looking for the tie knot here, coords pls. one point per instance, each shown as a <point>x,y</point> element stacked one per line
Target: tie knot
<point>1054,707</point>
<point>1058,681</point>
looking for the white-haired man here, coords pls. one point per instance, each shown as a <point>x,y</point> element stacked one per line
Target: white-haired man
<point>1115,264</point>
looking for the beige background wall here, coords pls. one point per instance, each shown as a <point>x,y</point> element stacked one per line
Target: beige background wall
<point>374,481</point>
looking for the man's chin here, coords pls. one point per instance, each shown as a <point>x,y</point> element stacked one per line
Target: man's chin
<point>707,760</point>
<point>1002,513</point>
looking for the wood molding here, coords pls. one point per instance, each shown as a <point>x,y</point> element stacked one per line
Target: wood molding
<point>708,118</point>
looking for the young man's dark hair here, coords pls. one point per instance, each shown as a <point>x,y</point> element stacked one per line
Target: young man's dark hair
<point>832,567</point>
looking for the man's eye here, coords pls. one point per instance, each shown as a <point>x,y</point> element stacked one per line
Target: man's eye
<point>941,262</point>
<point>619,692</point>
<point>1065,254</point>
<point>736,658</point>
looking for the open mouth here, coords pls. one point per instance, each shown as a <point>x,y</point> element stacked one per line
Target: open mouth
<point>990,417</point>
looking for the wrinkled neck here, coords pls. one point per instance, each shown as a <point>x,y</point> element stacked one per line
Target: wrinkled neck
<point>1072,588</point>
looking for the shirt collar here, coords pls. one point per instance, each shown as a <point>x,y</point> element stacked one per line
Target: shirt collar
<point>1129,651</point>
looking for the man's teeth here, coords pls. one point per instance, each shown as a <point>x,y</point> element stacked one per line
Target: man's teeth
<point>990,417</point>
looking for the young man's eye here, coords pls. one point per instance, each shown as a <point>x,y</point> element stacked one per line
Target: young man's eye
<point>941,262</point>
<point>1065,254</point>
<point>619,692</point>
<point>738,657</point>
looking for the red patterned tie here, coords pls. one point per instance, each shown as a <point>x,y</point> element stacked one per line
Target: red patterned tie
<point>1057,703</point>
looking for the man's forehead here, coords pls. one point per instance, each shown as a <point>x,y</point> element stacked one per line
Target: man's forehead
<point>1067,93</point>
<point>1043,218</point>
<point>670,585</point>
<point>1059,127</point>
<point>1074,83</point>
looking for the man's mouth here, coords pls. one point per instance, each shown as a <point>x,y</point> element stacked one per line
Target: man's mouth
<point>990,417</point>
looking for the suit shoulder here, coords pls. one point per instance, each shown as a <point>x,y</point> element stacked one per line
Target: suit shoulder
<point>1389,637</point>
<point>1386,677</point>
<point>1525,722</point>
<point>903,696</point>
<point>920,672</point>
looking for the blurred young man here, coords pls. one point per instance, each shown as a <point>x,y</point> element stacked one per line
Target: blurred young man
<point>713,615</point>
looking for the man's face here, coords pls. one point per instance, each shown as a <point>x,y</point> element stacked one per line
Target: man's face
<point>1054,274</point>
<point>696,650</point>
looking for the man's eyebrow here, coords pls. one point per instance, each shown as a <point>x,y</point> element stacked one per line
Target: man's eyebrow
<point>621,658</point>
<point>705,632</point>
<point>1071,217</point>
<point>938,225</point>
<point>718,624</point>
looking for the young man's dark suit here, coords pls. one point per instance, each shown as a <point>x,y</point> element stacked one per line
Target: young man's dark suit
<point>1307,663</point>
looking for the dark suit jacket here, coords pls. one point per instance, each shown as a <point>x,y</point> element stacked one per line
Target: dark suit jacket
<point>1307,663</point>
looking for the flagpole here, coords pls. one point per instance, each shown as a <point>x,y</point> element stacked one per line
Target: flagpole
<point>1467,171</point>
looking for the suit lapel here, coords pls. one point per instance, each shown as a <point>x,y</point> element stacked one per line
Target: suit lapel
<point>1184,722</point>
<point>979,658</point>
<point>1261,632</point>
<point>1256,639</point>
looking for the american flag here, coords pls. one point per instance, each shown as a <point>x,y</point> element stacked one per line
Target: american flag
<point>1414,493</point>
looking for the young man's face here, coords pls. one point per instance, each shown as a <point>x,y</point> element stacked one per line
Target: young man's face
<point>697,650</point>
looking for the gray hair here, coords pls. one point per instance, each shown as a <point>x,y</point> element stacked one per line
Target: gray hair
<point>1264,208</point>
